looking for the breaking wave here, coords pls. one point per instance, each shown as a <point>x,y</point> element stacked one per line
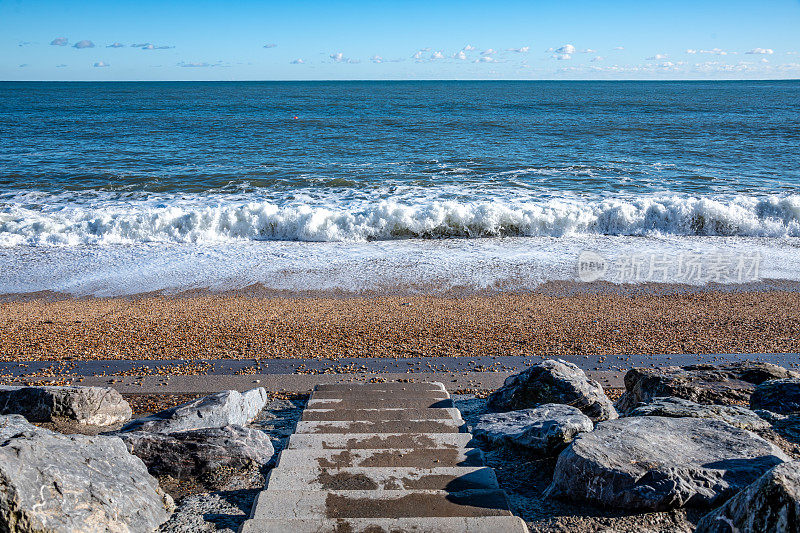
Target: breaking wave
<point>203,222</point>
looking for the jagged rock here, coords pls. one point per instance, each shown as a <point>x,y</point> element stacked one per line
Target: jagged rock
<point>658,463</point>
<point>97,406</point>
<point>780,396</point>
<point>734,415</point>
<point>770,504</point>
<point>553,381</point>
<point>544,430</point>
<point>193,453</point>
<point>707,384</point>
<point>226,408</point>
<point>66,483</point>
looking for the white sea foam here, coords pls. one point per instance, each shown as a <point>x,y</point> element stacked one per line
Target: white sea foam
<point>217,219</point>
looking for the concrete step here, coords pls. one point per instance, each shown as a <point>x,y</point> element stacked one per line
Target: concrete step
<point>379,440</point>
<point>381,426</point>
<point>483,524</point>
<point>393,385</point>
<point>420,458</point>
<point>452,479</point>
<point>380,414</point>
<point>379,395</point>
<point>277,504</point>
<point>365,403</point>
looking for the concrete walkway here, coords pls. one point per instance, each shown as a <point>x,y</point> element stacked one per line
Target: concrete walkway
<point>381,457</point>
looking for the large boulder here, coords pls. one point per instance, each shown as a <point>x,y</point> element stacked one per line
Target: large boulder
<point>780,396</point>
<point>226,408</point>
<point>708,384</point>
<point>97,406</point>
<point>194,453</point>
<point>66,483</point>
<point>672,407</point>
<point>543,430</point>
<point>770,504</point>
<point>657,463</point>
<point>553,381</point>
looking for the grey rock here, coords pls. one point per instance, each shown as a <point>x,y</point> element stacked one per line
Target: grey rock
<point>553,381</point>
<point>706,384</point>
<point>226,408</point>
<point>97,406</point>
<point>543,430</point>
<point>67,483</point>
<point>734,415</point>
<point>780,396</point>
<point>771,504</point>
<point>658,463</point>
<point>193,453</point>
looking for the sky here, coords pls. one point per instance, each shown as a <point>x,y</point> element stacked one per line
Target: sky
<point>333,40</point>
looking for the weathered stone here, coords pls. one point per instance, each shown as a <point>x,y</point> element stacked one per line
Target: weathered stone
<point>658,463</point>
<point>780,396</point>
<point>97,406</point>
<point>193,453</point>
<point>65,483</point>
<point>544,430</point>
<point>553,381</point>
<point>672,407</point>
<point>723,384</point>
<point>226,408</point>
<point>771,503</point>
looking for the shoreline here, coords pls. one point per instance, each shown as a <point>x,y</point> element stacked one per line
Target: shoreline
<point>560,321</point>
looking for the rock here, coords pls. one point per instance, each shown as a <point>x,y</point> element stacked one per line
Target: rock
<point>66,483</point>
<point>734,415</point>
<point>544,430</point>
<point>553,381</point>
<point>193,453</point>
<point>707,384</point>
<point>657,463</point>
<point>770,504</point>
<point>226,408</point>
<point>97,406</point>
<point>780,396</point>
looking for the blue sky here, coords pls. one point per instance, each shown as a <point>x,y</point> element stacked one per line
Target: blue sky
<point>298,40</point>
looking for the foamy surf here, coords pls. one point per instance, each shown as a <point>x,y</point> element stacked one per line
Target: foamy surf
<point>215,219</point>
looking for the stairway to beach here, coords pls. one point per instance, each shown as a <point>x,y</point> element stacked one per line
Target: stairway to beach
<point>378,458</point>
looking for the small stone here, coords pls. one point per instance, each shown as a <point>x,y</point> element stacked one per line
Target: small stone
<point>543,430</point>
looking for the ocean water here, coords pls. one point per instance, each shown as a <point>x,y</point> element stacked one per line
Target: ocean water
<point>118,188</point>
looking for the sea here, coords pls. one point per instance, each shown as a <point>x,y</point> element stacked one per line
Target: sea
<point>360,187</point>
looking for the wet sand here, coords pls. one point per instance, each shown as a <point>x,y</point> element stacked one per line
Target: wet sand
<point>246,326</point>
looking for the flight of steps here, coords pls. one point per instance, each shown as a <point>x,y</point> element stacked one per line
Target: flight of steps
<point>383,457</point>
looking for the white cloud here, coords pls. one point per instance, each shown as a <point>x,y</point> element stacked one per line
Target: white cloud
<point>297,61</point>
<point>437,55</point>
<point>417,55</point>
<point>562,57</point>
<point>619,48</point>
<point>115,45</point>
<point>101,64</point>
<point>657,57</point>
<point>714,51</point>
<point>62,65</point>
<point>376,59</point>
<point>22,65</point>
<point>761,51</point>
<point>270,45</point>
<point>149,46</point>
<point>194,64</point>
<point>691,51</point>
<point>520,50</point>
<point>338,57</point>
<point>587,51</point>
<point>489,52</point>
<point>460,55</point>
<point>468,48</point>
<point>596,59</point>
<point>83,44</point>
<point>59,41</point>
<point>485,59</point>
<point>567,49</point>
